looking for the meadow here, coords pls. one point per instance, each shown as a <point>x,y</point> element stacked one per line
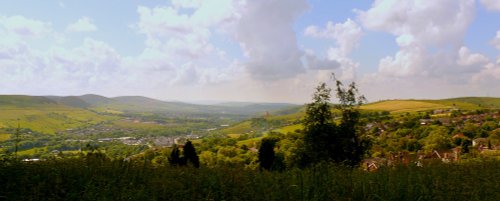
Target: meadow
<point>95,177</point>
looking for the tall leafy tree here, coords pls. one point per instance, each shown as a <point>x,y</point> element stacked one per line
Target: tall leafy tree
<point>174,158</point>
<point>266,153</point>
<point>319,128</point>
<point>190,154</point>
<point>326,140</point>
<point>353,147</point>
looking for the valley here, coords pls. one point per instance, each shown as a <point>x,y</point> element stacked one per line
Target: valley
<point>127,126</point>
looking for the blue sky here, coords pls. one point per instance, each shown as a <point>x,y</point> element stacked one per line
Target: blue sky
<point>259,50</point>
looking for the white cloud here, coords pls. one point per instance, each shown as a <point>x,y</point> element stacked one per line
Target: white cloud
<point>187,3</point>
<point>427,22</point>
<point>496,40</point>
<point>315,63</point>
<point>25,27</point>
<point>466,58</point>
<point>491,4</point>
<point>431,60</point>
<point>178,44</point>
<point>265,33</point>
<point>346,35</point>
<point>92,66</point>
<point>83,24</point>
<point>418,27</point>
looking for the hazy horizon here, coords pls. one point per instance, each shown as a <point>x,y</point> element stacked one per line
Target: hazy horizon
<point>250,51</point>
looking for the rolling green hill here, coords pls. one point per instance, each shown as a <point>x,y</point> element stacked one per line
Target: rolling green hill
<point>484,102</point>
<point>72,101</point>
<point>145,105</point>
<point>396,106</point>
<point>43,114</point>
<point>96,100</point>
<point>49,114</point>
<point>465,103</point>
<point>25,101</point>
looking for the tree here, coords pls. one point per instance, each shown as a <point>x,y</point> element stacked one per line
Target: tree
<point>174,158</point>
<point>190,154</point>
<point>437,139</point>
<point>266,153</point>
<point>325,140</point>
<point>17,140</point>
<point>352,146</point>
<point>319,129</point>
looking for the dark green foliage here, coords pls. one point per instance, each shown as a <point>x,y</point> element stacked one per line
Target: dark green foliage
<point>325,140</point>
<point>266,153</point>
<point>319,129</point>
<point>174,158</point>
<point>94,178</point>
<point>190,154</point>
<point>352,146</point>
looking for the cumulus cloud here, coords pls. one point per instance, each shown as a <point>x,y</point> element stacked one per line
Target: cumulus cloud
<point>496,41</point>
<point>466,58</point>
<point>346,37</point>
<point>25,27</point>
<point>91,66</point>
<point>426,22</point>
<point>178,43</point>
<point>430,36</point>
<point>419,26</point>
<point>315,63</point>
<point>83,24</point>
<point>491,4</point>
<point>265,32</point>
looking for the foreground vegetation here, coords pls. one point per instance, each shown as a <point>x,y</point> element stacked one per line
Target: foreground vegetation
<point>95,177</point>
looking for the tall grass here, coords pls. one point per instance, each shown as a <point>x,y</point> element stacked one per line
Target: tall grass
<point>97,178</point>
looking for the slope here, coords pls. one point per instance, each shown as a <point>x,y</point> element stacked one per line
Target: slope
<point>44,115</point>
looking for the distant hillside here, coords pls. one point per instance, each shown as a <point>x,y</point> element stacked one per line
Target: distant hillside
<point>46,115</point>
<point>253,108</point>
<point>96,100</point>
<point>465,103</point>
<point>403,106</point>
<point>484,102</point>
<point>24,101</point>
<point>72,101</point>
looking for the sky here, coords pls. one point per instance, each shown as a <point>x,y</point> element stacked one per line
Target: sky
<point>250,50</point>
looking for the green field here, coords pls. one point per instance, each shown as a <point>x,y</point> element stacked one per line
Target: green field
<point>290,129</point>
<point>240,128</point>
<point>49,119</point>
<point>397,106</point>
<point>4,137</point>
<point>250,142</point>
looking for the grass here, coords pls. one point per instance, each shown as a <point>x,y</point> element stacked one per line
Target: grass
<point>96,178</point>
<point>250,142</point>
<point>32,151</point>
<point>4,137</point>
<point>484,102</point>
<point>240,128</point>
<point>49,119</point>
<point>399,106</point>
<point>234,135</point>
<point>290,129</point>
